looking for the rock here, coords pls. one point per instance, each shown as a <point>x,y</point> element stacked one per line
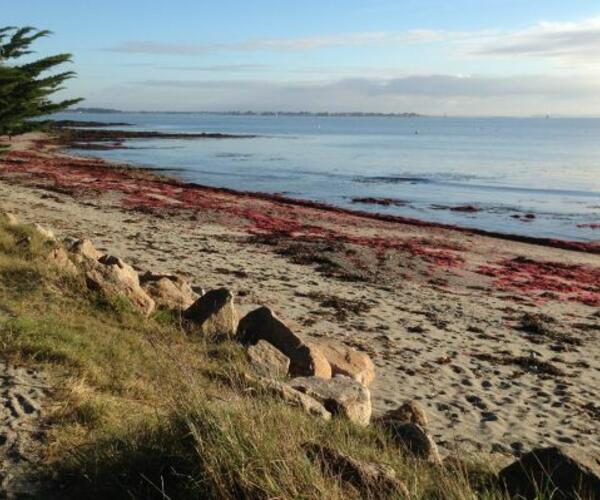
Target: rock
<point>263,324</point>
<point>291,396</point>
<point>126,272</point>
<point>268,360</point>
<point>214,313</point>
<point>562,473</point>
<point>415,439</point>
<point>340,395</point>
<point>169,291</point>
<point>58,257</point>
<point>409,411</point>
<point>347,361</point>
<point>45,234</point>
<point>9,219</point>
<point>111,276</point>
<point>84,249</point>
<point>372,480</point>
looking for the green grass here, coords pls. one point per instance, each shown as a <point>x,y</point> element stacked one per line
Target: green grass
<point>143,410</point>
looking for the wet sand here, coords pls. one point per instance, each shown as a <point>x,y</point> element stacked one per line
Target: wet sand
<point>498,338</point>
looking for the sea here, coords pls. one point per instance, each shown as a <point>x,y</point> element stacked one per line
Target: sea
<point>528,176</point>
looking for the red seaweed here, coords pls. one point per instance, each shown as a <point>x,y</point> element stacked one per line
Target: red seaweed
<point>573,282</point>
<point>262,213</point>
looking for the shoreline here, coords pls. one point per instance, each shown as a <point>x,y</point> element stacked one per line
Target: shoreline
<point>496,337</point>
<point>76,138</point>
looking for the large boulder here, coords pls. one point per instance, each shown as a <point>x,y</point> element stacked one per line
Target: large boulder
<point>84,250</point>
<point>263,324</point>
<point>415,439</point>
<point>267,360</point>
<point>409,411</point>
<point>291,396</point>
<point>169,291</point>
<point>347,361</point>
<point>113,277</point>
<point>340,395</point>
<point>214,313</point>
<point>371,479</point>
<point>560,473</point>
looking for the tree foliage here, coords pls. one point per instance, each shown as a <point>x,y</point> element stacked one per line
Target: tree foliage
<point>26,87</point>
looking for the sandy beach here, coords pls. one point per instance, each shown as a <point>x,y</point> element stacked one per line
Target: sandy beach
<point>498,338</point>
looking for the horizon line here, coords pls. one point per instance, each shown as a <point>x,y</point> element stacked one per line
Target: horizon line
<point>356,114</point>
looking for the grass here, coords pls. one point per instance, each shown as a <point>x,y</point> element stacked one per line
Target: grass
<point>140,409</point>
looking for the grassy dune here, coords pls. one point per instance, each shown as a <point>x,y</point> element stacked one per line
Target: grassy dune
<point>140,409</point>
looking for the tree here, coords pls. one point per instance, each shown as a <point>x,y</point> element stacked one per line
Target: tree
<point>26,89</point>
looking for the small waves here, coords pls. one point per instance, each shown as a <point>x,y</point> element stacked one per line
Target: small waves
<point>392,180</point>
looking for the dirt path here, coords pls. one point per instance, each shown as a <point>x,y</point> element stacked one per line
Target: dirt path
<point>23,393</point>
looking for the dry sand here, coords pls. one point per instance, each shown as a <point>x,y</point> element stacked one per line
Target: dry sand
<point>498,339</point>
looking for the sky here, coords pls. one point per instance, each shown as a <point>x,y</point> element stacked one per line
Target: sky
<point>455,57</point>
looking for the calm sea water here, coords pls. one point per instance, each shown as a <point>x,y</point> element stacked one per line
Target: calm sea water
<point>507,167</point>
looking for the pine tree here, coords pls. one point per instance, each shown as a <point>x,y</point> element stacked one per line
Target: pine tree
<point>25,89</point>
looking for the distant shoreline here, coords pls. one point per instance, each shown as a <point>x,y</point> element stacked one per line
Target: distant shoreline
<point>343,114</point>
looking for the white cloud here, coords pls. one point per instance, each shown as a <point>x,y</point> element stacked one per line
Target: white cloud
<point>435,94</point>
<point>418,85</point>
<point>220,68</point>
<point>567,42</point>
<point>564,55</point>
<point>374,39</point>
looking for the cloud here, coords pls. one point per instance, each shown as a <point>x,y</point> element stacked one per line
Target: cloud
<point>460,72</point>
<point>426,86</point>
<point>374,39</point>
<point>432,94</point>
<point>225,68</point>
<point>565,41</point>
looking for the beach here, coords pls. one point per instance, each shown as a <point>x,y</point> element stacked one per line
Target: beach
<point>496,337</point>
<point>529,176</point>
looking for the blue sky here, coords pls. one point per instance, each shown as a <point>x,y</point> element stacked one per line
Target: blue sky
<point>465,57</point>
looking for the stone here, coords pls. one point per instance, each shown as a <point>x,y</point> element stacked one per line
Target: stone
<point>214,313</point>
<point>44,233</point>
<point>291,396</point>
<point>559,472</point>
<point>111,276</point>
<point>415,439</point>
<point>340,395</point>
<point>169,291</point>
<point>371,479</point>
<point>347,361</point>
<point>263,324</point>
<point>409,411</point>
<point>59,258</point>
<point>125,271</point>
<point>9,219</point>
<point>267,360</point>
<point>84,249</point>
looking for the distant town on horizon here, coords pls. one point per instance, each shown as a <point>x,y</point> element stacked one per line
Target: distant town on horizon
<point>356,114</point>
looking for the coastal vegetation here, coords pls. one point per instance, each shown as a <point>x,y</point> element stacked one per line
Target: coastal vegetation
<point>27,86</point>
